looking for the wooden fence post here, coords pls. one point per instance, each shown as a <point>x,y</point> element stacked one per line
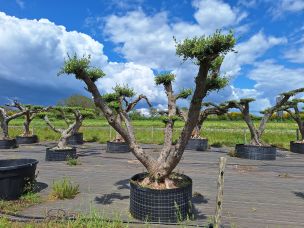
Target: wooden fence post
<point>220,192</point>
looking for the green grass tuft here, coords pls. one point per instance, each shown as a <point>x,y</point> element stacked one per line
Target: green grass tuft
<point>64,189</point>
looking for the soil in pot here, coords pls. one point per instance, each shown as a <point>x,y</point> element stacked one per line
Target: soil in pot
<point>297,147</point>
<point>160,205</point>
<point>27,139</point>
<point>117,147</point>
<point>253,152</point>
<point>76,139</point>
<point>197,144</point>
<point>8,143</point>
<point>15,176</point>
<point>54,154</point>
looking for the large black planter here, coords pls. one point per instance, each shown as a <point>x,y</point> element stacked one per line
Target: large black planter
<point>76,139</point>
<point>60,155</point>
<point>117,147</point>
<point>256,152</point>
<point>15,174</point>
<point>8,144</point>
<point>27,139</point>
<point>197,144</point>
<point>297,147</point>
<point>161,206</point>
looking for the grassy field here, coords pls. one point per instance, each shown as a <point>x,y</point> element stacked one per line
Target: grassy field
<point>225,133</point>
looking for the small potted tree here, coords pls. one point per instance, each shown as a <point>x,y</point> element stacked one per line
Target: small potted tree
<point>62,151</point>
<point>120,102</point>
<point>77,137</point>
<point>30,112</point>
<point>256,149</point>
<point>5,117</point>
<point>196,142</point>
<point>161,195</point>
<point>291,107</point>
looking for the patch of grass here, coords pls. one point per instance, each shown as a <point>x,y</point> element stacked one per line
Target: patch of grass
<point>93,220</point>
<point>64,189</point>
<point>73,161</point>
<point>26,200</point>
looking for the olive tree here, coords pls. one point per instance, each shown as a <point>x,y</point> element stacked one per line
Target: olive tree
<point>207,52</point>
<point>6,116</point>
<point>257,132</point>
<point>291,107</point>
<point>73,124</point>
<point>208,108</point>
<point>120,101</point>
<point>30,112</point>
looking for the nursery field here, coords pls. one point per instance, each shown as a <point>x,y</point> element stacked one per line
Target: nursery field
<point>219,132</point>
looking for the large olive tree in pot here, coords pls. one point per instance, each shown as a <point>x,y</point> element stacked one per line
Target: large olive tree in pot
<point>62,151</point>
<point>256,149</point>
<point>148,190</point>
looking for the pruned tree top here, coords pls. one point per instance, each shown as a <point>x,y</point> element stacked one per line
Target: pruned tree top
<point>81,67</point>
<point>164,78</point>
<point>124,91</point>
<point>205,48</point>
<point>184,94</point>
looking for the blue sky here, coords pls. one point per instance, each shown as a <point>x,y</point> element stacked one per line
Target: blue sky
<point>132,39</point>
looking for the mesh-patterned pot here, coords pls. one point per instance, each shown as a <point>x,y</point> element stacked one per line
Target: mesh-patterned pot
<point>15,174</point>
<point>197,144</point>
<point>253,152</point>
<point>297,147</point>
<point>27,139</point>
<point>160,206</point>
<point>60,155</point>
<point>117,147</point>
<point>8,144</point>
<point>75,139</point>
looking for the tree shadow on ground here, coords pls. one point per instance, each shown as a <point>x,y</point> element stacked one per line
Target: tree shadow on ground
<point>198,198</point>
<point>109,198</point>
<point>197,214</point>
<point>123,184</point>
<point>87,153</point>
<point>299,194</point>
<point>39,186</point>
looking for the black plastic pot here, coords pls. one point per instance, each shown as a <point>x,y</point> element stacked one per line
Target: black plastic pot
<point>197,144</point>
<point>60,155</point>
<point>27,139</point>
<point>8,143</point>
<point>297,147</point>
<point>76,139</point>
<point>253,152</point>
<point>15,174</point>
<point>117,147</point>
<point>160,206</point>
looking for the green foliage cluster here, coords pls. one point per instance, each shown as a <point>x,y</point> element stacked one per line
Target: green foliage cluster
<point>81,67</point>
<point>184,93</point>
<point>206,48</point>
<point>124,91</point>
<point>164,78</point>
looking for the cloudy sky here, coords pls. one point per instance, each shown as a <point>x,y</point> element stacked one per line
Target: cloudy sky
<point>132,40</point>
